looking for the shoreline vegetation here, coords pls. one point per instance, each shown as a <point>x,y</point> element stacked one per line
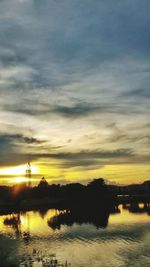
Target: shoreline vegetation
<point>73,203</point>
<point>96,195</point>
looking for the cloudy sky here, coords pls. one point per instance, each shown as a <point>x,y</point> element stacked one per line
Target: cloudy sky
<point>74,89</point>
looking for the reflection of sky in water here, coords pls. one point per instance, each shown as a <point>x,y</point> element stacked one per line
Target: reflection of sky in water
<point>125,242</point>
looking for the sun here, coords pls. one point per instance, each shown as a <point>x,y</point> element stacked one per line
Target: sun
<point>18,170</point>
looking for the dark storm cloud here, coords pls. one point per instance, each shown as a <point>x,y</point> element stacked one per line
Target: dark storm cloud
<point>82,158</point>
<point>139,93</point>
<point>8,142</point>
<point>88,164</point>
<point>29,140</point>
<point>86,159</point>
<point>5,144</point>
<point>94,154</point>
<point>76,110</point>
<point>32,110</point>
<point>88,108</point>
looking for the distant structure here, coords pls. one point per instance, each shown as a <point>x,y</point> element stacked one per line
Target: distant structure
<point>28,174</point>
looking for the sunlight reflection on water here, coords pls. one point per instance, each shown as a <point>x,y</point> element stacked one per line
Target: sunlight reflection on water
<point>124,242</point>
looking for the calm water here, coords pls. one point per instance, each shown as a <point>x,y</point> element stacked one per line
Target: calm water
<point>124,242</point>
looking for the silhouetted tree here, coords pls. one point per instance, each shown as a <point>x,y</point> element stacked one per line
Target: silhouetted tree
<point>43,183</point>
<point>96,183</point>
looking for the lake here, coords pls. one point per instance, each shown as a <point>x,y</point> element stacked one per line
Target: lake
<point>119,239</point>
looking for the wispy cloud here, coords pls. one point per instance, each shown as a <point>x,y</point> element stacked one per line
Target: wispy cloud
<point>79,71</point>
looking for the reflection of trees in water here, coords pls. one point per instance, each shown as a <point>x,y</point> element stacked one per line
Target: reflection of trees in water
<point>98,217</point>
<point>42,213</point>
<point>138,208</point>
<point>14,221</point>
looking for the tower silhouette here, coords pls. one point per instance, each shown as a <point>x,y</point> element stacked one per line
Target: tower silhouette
<point>28,174</point>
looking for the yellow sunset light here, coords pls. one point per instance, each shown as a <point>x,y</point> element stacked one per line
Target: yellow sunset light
<point>18,170</point>
<point>19,180</point>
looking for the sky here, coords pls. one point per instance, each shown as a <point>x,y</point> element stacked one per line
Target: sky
<point>74,90</point>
